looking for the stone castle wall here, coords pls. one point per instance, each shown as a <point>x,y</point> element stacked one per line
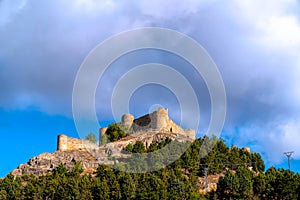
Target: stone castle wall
<point>65,143</point>
<point>157,121</point>
<point>127,120</point>
<point>172,127</point>
<point>160,121</point>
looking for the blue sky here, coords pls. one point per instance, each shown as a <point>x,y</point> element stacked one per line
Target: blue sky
<point>256,46</point>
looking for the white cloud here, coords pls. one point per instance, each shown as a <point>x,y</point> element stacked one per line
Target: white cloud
<point>94,5</point>
<point>291,136</point>
<point>274,24</point>
<point>283,138</point>
<point>272,139</point>
<point>280,32</point>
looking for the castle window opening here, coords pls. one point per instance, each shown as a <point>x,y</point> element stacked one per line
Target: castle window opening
<point>171,129</point>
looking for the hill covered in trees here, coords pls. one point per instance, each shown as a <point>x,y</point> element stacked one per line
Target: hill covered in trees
<point>241,175</point>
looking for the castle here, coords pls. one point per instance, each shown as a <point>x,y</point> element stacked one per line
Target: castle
<point>149,128</point>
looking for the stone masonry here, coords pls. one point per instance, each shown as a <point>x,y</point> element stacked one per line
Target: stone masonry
<point>65,143</point>
<point>158,121</point>
<point>149,128</point>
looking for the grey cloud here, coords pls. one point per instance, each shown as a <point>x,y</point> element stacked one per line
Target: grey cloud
<point>259,80</point>
<point>44,47</point>
<point>44,43</point>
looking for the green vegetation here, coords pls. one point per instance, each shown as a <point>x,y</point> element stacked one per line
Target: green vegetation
<point>129,148</point>
<point>242,177</point>
<point>245,184</point>
<point>114,132</point>
<point>91,137</point>
<point>138,147</point>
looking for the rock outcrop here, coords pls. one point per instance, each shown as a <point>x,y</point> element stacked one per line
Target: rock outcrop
<point>47,162</point>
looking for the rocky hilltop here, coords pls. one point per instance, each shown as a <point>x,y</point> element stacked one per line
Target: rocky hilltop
<point>150,128</point>
<point>46,162</point>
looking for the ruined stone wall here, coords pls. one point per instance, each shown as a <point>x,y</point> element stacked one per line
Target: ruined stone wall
<point>153,121</point>
<point>65,143</point>
<point>173,127</point>
<point>157,121</point>
<point>127,120</point>
<point>141,123</point>
<point>62,141</point>
<point>160,118</point>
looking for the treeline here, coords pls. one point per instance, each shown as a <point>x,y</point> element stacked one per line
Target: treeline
<point>192,157</point>
<point>107,184</point>
<point>245,184</point>
<point>242,176</point>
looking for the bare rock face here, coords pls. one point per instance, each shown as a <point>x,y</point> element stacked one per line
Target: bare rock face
<point>212,183</point>
<point>47,162</point>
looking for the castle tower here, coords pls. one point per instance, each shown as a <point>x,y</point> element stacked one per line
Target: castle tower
<point>62,141</point>
<point>127,120</point>
<point>159,119</point>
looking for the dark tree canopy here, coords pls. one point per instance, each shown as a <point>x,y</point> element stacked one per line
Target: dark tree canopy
<point>114,132</point>
<point>139,147</point>
<point>243,177</point>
